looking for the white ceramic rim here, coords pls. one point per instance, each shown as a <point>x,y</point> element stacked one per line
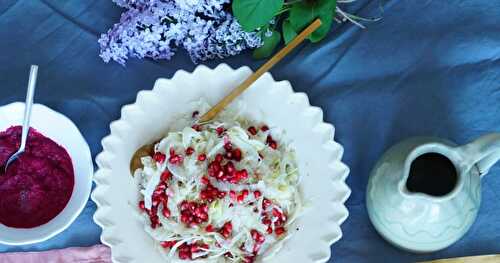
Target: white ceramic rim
<point>113,153</point>
<point>64,219</point>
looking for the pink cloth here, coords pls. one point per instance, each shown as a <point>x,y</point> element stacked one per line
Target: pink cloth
<point>95,254</point>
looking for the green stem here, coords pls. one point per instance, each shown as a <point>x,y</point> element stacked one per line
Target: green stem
<point>283,10</point>
<point>293,2</point>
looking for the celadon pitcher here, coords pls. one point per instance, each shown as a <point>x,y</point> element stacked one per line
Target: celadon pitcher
<point>424,193</point>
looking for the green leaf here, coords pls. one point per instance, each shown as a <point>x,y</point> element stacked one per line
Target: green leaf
<point>323,30</point>
<point>304,12</point>
<point>288,32</point>
<point>252,14</point>
<point>270,43</point>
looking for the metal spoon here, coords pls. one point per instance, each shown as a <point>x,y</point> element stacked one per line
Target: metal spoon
<point>27,116</point>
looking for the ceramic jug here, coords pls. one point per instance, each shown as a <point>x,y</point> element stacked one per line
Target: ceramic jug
<point>425,193</point>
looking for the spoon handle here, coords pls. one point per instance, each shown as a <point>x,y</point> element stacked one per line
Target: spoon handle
<point>29,103</point>
<point>263,69</point>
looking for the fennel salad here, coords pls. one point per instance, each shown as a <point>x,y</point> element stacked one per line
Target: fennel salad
<point>226,191</point>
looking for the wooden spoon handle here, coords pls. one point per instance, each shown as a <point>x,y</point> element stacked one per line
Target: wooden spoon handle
<point>263,69</point>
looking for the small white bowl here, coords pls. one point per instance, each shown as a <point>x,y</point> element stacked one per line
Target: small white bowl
<point>65,133</point>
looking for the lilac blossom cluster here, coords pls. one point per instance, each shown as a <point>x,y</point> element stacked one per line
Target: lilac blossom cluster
<point>154,28</point>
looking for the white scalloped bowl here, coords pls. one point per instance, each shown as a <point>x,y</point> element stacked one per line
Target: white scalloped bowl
<point>319,157</point>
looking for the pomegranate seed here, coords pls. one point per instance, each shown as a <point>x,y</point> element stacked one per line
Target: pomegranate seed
<point>232,194</point>
<point>189,151</point>
<point>229,167</point>
<point>225,234</point>
<point>195,114</point>
<point>153,211</point>
<point>220,174</point>
<point>242,175</point>
<point>196,127</point>
<point>236,155</point>
<point>257,194</point>
<point>166,212</point>
<point>204,246</point>
<point>252,130</point>
<point>228,226</point>
<point>264,128</point>
<point>218,158</point>
<point>221,194</point>
<point>266,221</point>
<point>240,199</point>
<point>209,228</point>
<point>204,180</point>
<point>269,230</point>
<point>194,248</point>
<point>168,244</point>
<point>159,157</point>
<point>184,255</point>
<point>249,259</point>
<point>219,130</point>
<point>244,193</point>
<point>165,176</point>
<point>202,157</point>
<point>266,203</point>
<point>273,145</point>
<point>276,213</point>
<point>203,216</point>
<point>231,205</point>
<point>228,146</point>
<point>156,201</point>
<point>279,231</point>
<point>175,159</point>
<point>254,234</point>
<point>283,217</point>
<point>142,206</point>
<point>229,155</point>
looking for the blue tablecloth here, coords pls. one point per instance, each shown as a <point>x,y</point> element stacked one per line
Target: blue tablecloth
<point>427,68</point>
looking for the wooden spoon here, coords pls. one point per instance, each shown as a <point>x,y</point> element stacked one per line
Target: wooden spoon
<point>257,74</point>
<point>146,150</point>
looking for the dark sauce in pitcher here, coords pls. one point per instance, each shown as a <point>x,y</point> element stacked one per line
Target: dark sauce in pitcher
<point>432,174</point>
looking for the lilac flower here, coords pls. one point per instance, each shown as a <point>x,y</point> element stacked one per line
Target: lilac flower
<point>154,28</point>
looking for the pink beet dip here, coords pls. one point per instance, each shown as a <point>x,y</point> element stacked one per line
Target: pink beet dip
<point>38,185</point>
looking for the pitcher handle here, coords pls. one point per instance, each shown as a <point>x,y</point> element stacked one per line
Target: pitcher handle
<point>484,152</point>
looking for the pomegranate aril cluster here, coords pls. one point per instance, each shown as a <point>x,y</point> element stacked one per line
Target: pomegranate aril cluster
<point>226,230</point>
<point>193,213</point>
<point>159,197</point>
<point>185,251</point>
<point>223,169</point>
<point>210,193</point>
<point>258,239</point>
<point>273,214</point>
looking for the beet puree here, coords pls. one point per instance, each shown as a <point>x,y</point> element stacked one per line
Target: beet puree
<point>38,185</point>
